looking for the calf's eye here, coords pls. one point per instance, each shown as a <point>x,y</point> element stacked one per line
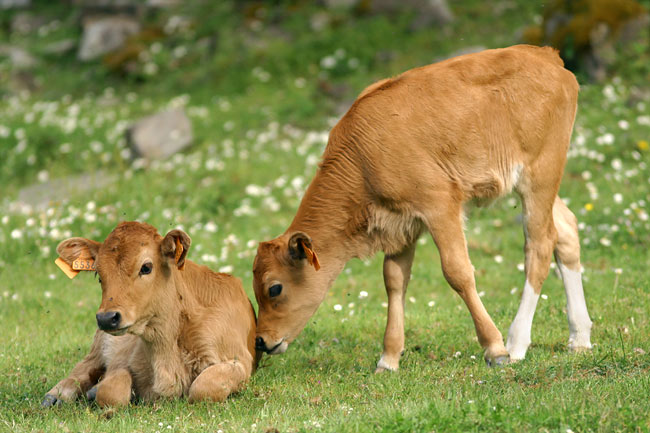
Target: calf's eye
<point>275,290</point>
<point>146,269</point>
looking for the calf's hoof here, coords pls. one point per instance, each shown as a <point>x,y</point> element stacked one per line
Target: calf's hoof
<point>91,395</point>
<point>498,361</point>
<point>50,400</point>
<point>579,349</point>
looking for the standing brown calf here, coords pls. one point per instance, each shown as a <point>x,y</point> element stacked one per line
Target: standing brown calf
<point>167,326</point>
<point>406,158</point>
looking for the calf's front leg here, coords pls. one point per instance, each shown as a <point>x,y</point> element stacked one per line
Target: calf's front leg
<point>397,273</point>
<point>82,377</point>
<point>218,381</point>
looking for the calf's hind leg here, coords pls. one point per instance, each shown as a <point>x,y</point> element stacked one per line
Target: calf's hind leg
<point>397,272</point>
<point>218,381</point>
<point>538,192</point>
<point>567,256</point>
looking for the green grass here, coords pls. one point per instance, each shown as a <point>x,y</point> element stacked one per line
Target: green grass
<point>271,133</point>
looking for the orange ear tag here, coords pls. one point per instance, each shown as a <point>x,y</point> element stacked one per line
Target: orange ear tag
<point>83,265</point>
<point>65,267</point>
<point>312,258</point>
<point>179,253</point>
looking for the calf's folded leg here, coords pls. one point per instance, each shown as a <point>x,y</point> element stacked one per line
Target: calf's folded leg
<point>218,381</point>
<point>115,388</point>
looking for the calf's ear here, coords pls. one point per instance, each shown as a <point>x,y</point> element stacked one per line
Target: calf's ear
<point>77,248</point>
<point>174,247</point>
<point>301,248</point>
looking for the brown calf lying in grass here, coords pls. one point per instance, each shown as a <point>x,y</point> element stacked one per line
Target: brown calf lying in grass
<point>167,327</point>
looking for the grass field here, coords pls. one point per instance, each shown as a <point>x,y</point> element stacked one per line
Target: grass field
<point>261,111</point>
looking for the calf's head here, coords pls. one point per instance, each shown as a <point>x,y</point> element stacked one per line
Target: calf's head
<point>288,289</point>
<point>135,267</point>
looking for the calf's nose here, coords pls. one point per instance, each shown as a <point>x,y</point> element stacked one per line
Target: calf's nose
<point>259,344</point>
<point>108,321</point>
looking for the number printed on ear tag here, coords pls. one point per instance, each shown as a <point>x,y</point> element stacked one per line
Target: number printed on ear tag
<point>83,265</point>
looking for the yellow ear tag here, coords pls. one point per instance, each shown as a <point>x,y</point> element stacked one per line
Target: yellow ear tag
<point>65,267</point>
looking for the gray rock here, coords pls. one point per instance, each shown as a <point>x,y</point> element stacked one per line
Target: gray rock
<point>60,47</point>
<point>106,3</point>
<point>432,12</point>
<point>106,34</point>
<point>341,4</point>
<point>163,3</point>
<point>10,4</point>
<point>25,23</point>
<point>428,11</point>
<point>40,196</point>
<point>161,135</point>
<point>19,58</point>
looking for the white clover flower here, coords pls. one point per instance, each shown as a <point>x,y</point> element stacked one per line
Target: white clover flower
<point>43,176</point>
<point>271,204</point>
<point>384,304</point>
<point>351,305</point>
<point>609,92</point>
<point>338,307</point>
<point>16,234</point>
<point>544,296</point>
<point>256,190</point>
<point>618,197</point>
<point>624,125</point>
<point>210,227</point>
<point>412,300</point>
<point>605,242</point>
<point>226,269</point>
<point>498,258</point>
<point>328,62</point>
<point>363,294</point>
<point>643,120</point>
<point>5,219</point>
<point>431,303</point>
<point>150,68</point>
<point>617,164</point>
<point>607,138</point>
<point>297,182</point>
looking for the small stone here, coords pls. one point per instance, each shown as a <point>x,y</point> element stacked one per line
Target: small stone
<point>11,4</point>
<point>19,57</point>
<point>60,47</point>
<point>161,135</point>
<point>104,35</point>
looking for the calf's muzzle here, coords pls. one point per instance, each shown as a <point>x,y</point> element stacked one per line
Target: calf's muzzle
<point>109,320</point>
